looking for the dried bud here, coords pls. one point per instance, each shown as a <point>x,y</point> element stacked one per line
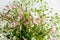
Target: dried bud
<point>26,24</point>
<point>11,18</point>
<point>42,18</point>
<point>4,16</point>
<point>7,8</point>
<point>30,18</point>
<point>20,28</point>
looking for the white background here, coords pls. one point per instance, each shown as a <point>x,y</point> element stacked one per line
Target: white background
<point>55,4</point>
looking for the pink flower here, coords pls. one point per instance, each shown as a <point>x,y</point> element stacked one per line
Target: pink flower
<point>19,16</point>
<point>16,23</point>
<point>20,12</point>
<point>35,21</point>
<point>53,30</point>
<point>11,25</point>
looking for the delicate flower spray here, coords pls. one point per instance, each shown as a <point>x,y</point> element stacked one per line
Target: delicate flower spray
<point>29,22</point>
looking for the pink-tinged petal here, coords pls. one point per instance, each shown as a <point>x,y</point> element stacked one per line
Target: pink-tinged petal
<point>20,12</point>
<point>11,25</point>
<point>13,6</point>
<point>19,16</point>
<point>35,21</point>
<point>25,39</point>
<point>16,23</point>
<point>4,15</point>
<point>42,18</point>
<point>53,30</point>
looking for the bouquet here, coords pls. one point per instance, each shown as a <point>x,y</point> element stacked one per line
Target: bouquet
<point>29,20</point>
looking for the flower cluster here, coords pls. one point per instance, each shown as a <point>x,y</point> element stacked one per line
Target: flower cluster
<point>26,22</point>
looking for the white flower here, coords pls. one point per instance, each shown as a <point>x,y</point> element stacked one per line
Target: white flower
<point>46,36</point>
<point>51,38</point>
<point>33,38</point>
<point>34,14</point>
<point>1,35</point>
<point>36,5</point>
